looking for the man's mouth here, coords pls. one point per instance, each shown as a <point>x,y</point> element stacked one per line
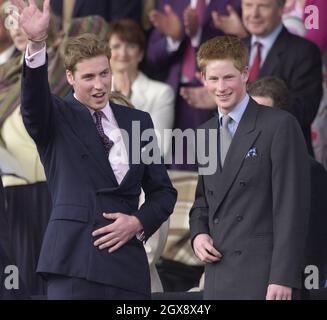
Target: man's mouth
<point>98,95</point>
<point>224,96</point>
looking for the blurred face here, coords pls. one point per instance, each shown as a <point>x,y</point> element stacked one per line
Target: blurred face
<point>266,101</point>
<point>125,56</point>
<point>225,83</point>
<point>261,17</point>
<point>19,39</point>
<point>91,81</point>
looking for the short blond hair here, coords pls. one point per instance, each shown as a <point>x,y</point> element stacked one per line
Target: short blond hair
<point>221,48</point>
<point>84,46</point>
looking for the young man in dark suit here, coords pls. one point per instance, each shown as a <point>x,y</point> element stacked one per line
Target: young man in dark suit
<point>93,244</point>
<point>249,219</point>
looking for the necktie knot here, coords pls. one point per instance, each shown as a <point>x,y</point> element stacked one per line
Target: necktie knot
<point>225,120</point>
<point>258,45</point>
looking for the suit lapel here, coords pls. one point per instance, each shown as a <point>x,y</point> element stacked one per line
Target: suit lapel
<point>274,56</point>
<point>212,124</point>
<point>272,60</point>
<point>83,125</point>
<point>243,140</point>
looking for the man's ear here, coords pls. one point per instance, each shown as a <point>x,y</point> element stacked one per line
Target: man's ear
<point>203,78</point>
<point>70,77</point>
<point>245,74</point>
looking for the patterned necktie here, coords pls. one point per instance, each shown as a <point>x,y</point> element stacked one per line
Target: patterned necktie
<point>107,143</point>
<point>189,59</point>
<point>225,137</point>
<point>255,68</point>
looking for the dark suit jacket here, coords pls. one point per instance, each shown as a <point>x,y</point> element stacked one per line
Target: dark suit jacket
<point>83,186</point>
<point>4,229</point>
<point>256,209</point>
<point>297,61</point>
<point>158,58</point>
<point>108,9</point>
<point>316,253</point>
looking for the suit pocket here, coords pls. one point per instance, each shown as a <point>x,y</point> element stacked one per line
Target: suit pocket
<point>262,235</point>
<point>250,161</point>
<point>70,212</point>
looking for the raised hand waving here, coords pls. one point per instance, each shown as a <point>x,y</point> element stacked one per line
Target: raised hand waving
<point>32,21</point>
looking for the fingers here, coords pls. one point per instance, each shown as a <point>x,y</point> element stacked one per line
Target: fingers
<point>108,228</point>
<point>111,241</point>
<point>31,3</point>
<point>106,241</point>
<point>207,256</point>
<point>204,249</point>
<point>168,9</point>
<point>153,16</point>
<point>19,4</point>
<point>278,292</point>
<point>117,246</point>
<point>111,216</point>
<point>46,6</point>
<point>230,9</point>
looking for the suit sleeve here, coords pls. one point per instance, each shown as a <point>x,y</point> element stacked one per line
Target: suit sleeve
<point>291,203</point>
<point>160,196</point>
<point>199,213</point>
<point>305,85</point>
<point>36,106</point>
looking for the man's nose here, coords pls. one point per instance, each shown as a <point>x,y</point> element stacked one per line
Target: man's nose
<point>221,86</point>
<point>98,84</point>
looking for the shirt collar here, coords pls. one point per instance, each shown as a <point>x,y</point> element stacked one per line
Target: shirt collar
<point>237,112</point>
<point>269,39</point>
<point>106,110</point>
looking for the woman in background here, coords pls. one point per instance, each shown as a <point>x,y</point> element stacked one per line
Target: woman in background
<point>127,43</point>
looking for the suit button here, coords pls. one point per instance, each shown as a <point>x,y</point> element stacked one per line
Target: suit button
<point>216,221</point>
<point>211,192</point>
<point>239,218</point>
<point>85,156</point>
<point>238,252</point>
<point>242,183</point>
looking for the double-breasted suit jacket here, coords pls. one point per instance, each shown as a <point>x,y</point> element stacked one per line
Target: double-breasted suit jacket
<point>83,186</point>
<point>256,207</point>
